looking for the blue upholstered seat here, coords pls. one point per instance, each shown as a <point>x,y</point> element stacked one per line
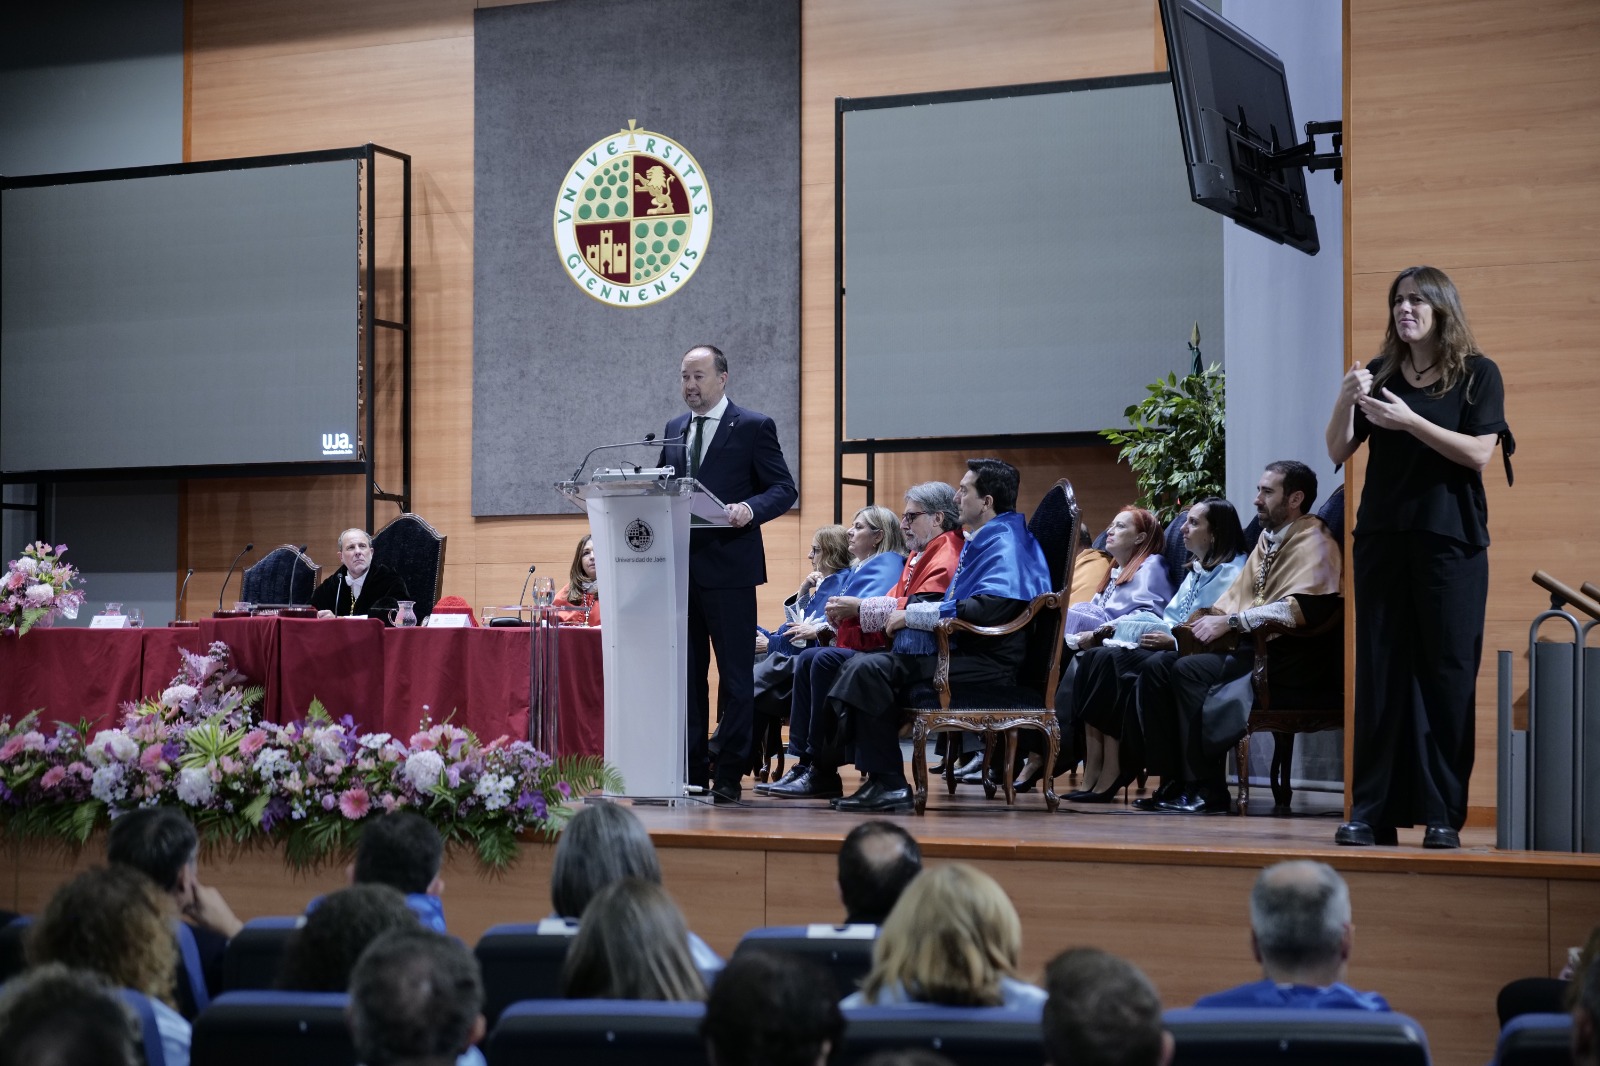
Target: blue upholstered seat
<point>844,951</point>
<point>522,961</point>
<point>255,1028</point>
<point>283,575</point>
<point>599,1032</point>
<point>1214,1037</point>
<point>1535,1040</point>
<point>255,954</point>
<point>967,1036</point>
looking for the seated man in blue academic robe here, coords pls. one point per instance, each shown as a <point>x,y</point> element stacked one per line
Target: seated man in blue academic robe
<point>1002,569</point>
<point>1301,933</point>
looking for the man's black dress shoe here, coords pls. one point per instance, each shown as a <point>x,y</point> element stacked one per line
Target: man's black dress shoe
<point>1199,801</point>
<point>1362,835</point>
<point>789,776</point>
<point>1170,790</point>
<point>1440,836</point>
<point>874,798</point>
<point>815,783</point>
<point>726,792</point>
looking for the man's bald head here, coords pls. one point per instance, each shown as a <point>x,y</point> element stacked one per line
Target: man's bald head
<point>876,863</point>
<point>1300,918</point>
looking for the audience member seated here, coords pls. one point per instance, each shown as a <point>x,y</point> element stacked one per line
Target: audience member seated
<point>1089,569</point>
<point>1100,697</point>
<point>323,952</point>
<point>1136,582</point>
<point>633,944</point>
<point>931,528</point>
<point>1586,1016</point>
<point>1292,577</point>
<point>115,922</point>
<point>579,598</point>
<point>1548,995</point>
<point>877,860</point>
<point>403,850</point>
<point>416,999</point>
<point>602,844</point>
<point>954,939</point>
<point>1101,1011</point>
<point>55,1016</point>
<point>160,843</point>
<point>1002,569</point>
<point>1301,934</point>
<point>768,1010</point>
<point>358,588</point>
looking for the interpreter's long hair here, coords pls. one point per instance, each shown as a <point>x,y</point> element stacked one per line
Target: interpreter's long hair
<point>950,939</point>
<point>113,921</point>
<point>1154,540</point>
<point>632,944</point>
<point>833,550</point>
<point>1455,341</point>
<point>576,578</point>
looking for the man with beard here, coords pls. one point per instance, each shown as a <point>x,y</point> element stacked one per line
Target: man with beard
<point>1292,577</point>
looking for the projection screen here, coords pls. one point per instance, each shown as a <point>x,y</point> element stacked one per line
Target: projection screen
<point>1023,263</point>
<point>180,319</point>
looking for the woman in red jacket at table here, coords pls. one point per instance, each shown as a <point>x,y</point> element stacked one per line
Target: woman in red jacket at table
<point>579,598</point>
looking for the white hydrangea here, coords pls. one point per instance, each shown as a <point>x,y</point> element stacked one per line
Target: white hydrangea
<point>374,740</point>
<point>112,746</point>
<point>328,742</point>
<point>39,595</point>
<point>271,762</point>
<point>27,566</point>
<point>423,770</point>
<point>195,787</point>
<point>107,784</point>
<point>494,790</point>
<point>177,694</point>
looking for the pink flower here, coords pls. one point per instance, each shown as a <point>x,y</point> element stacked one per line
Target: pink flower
<point>354,804</point>
<point>150,759</point>
<point>11,748</point>
<point>389,801</point>
<point>253,742</point>
<point>82,769</point>
<point>52,777</point>
<point>423,742</point>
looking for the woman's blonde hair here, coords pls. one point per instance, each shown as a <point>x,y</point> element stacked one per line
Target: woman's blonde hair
<point>833,549</point>
<point>886,522</point>
<point>1455,341</point>
<point>576,578</point>
<point>632,943</point>
<point>950,939</point>
<point>113,921</point>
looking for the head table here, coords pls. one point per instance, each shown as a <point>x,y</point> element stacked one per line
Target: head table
<point>386,679</point>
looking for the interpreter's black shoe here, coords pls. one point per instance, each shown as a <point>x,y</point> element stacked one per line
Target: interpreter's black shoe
<point>815,783</point>
<point>789,777</point>
<point>874,798</point>
<point>726,792</point>
<point>1440,836</point>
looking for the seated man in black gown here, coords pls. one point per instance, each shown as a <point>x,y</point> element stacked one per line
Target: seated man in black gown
<point>357,587</point>
<point>1002,569</point>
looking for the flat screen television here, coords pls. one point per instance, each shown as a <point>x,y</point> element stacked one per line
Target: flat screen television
<point>1233,110</point>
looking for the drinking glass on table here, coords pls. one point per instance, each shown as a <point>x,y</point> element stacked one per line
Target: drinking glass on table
<point>135,618</point>
<point>544,591</point>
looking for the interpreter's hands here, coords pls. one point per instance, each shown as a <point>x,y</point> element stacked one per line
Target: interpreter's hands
<point>1356,383</point>
<point>896,622</point>
<point>206,908</point>
<point>1390,412</point>
<point>1157,641</point>
<point>739,514</point>
<point>841,607</point>
<point>1208,628</point>
<point>761,642</point>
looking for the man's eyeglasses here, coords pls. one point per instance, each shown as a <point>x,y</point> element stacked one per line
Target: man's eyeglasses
<point>910,516</point>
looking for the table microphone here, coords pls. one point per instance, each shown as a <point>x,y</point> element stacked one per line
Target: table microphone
<point>294,569</point>
<point>178,607</point>
<point>524,593</point>
<point>225,580</point>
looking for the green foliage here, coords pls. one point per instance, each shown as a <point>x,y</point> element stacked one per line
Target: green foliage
<point>1175,441</point>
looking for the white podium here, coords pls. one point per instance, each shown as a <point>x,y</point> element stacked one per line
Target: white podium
<point>640,523</point>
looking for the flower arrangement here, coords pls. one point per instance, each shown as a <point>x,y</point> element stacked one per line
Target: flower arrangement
<point>309,784</point>
<point>36,588</point>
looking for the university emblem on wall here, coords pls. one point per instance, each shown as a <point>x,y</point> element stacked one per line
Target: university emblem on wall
<point>633,218</point>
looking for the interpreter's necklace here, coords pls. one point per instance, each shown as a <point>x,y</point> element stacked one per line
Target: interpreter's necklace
<point>1416,374</point>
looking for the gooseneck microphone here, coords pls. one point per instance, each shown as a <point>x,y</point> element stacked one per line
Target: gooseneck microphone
<point>222,591</point>
<point>649,438</point>
<point>178,606</point>
<point>524,594</point>
<point>294,570</point>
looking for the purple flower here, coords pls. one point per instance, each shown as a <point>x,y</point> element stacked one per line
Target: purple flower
<point>328,801</point>
<point>565,789</point>
<point>277,809</point>
<point>171,750</point>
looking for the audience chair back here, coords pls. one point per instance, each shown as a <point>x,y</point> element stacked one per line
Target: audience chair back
<point>1535,1040</point>
<point>522,962</point>
<point>997,711</point>
<point>255,956</point>
<point>845,951</point>
<point>274,1029</point>
<point>149,1033</point>
<point>13,957</point>
<point>967,1036</point>
<point>283,576</point>
<point>415,550</point>
<point>193,996</point>
<point>1270,1035</point>
<point>599,1032</point>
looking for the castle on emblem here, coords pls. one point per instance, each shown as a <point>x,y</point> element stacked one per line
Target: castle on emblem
<point>639,535</point>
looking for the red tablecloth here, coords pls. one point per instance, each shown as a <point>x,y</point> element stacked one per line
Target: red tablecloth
<point>381,677</point>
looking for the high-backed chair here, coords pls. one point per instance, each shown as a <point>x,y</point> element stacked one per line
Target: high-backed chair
<point>967,1036</point>
<point>521,962</point>
<point>845,951</point>
<point>1535,1040</point>
<point>995,710</point>
<point>599,1032</point>
<point>255,955</point>
<point>273,1028</point>
<point>1263,1035</point>
<point>415,550</point>
<point>155,1054</point>
<point>283,575</point>
<point>1284,709</point>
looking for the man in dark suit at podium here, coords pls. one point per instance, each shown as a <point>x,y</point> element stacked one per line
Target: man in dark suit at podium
<point>734,453</point>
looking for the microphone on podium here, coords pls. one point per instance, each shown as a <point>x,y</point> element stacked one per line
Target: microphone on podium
<point>220,592</point>
<point>649,438</point>
<point>177,607</point>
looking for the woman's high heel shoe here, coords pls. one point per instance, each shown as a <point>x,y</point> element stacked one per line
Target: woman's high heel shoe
<point>1032,770</point>
<point>1108,796</point>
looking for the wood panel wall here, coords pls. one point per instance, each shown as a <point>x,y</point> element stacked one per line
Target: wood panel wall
<point>1473,145</point>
